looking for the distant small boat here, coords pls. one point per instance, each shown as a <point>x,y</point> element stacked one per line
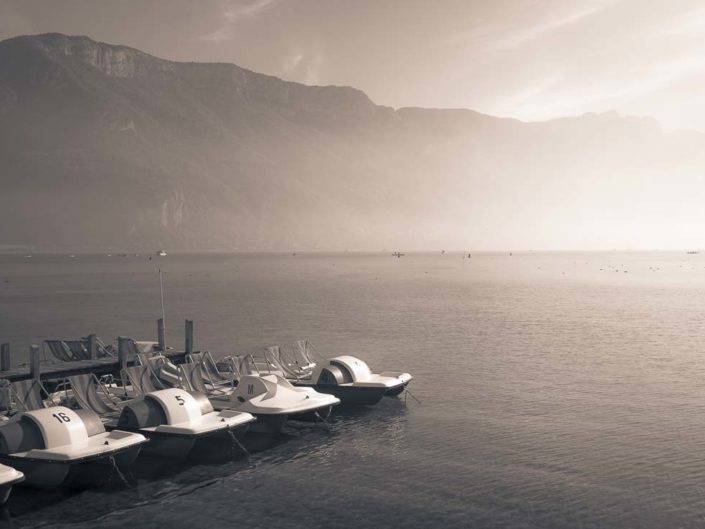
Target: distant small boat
<point>398,254</point>
<point>692,252</point>
<point>162,253</point>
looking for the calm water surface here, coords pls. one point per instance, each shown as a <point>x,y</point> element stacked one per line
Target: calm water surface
<point>557,390</point>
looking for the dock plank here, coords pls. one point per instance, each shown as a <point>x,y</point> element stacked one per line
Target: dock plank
<point>59,370</point>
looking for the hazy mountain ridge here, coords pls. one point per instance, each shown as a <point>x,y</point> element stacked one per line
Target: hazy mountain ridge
<point>105,146</point>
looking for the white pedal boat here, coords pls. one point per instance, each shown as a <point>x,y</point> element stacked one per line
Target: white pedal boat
<point>347,377</point>
<point>270,397</point>
<point>57,446</point>
<point>178,423</point>
<point>8,477</point>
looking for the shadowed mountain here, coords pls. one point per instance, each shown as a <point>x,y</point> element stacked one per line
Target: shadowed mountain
<point>106,147</point>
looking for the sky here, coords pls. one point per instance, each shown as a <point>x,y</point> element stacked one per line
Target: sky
<point>529,59</point>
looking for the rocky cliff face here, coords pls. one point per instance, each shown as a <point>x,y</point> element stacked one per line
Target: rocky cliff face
<point>106,147</point>
<point>111,60</point>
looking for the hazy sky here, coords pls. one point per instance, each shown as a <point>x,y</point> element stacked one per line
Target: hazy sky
<point>531,59</point>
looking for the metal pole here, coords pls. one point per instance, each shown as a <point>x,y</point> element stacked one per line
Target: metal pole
<point>188,342</point>
<point>34,361</point>
<point>162,341</point>
<point>122,353</point>
<point>5,359</point>
<point>161,337</point>
<point>92,347</point>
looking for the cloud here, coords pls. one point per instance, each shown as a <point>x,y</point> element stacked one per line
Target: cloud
<point>292,62</point>
<point>514,103</point>
<point>246,10</point>
<point>234,14</point>
<point>690,23</point>
<point>313,69</point>
<point>531,33</point>
<point>303,67</point>
<point>508,30</point>
<point>639,59</point>
<point>557,96</point>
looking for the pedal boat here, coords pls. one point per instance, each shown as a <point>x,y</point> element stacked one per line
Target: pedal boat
<point>181,423</point>
<point>57,446</point>
<point>8,478</point>
<point>347,377</point>
<point>269,397</point>
<point>178,423</point>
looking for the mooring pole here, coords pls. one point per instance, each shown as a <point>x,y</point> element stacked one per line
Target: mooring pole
<point>34,361</point>
<point>188,341</point>
<point>92,347</point>
<point>5,361</point>
<point>160,334</point>
<point>162,327</point>
<point>122,353</point>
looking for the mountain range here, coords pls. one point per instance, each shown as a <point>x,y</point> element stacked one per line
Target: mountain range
<point>105,147</point>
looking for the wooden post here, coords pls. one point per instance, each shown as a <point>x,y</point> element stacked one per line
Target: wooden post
<point>5,361</point>
<point>5,397</point>
<point>122,352</point>
<point>34,361</point>
<point>160,334</point>
<point>92,347</point>
<point>188,344</point>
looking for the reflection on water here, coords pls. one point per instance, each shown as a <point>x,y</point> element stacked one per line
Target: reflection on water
<point>557,390</point>
<point>158,484</point>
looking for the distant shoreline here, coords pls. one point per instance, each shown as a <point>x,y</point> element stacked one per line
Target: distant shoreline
<point>294,253</point>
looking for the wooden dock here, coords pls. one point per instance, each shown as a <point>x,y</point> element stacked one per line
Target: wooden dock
<point>57,370</point>
<point>61,370</point>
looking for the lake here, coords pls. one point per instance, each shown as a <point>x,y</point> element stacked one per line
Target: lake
<point>554,389</point>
